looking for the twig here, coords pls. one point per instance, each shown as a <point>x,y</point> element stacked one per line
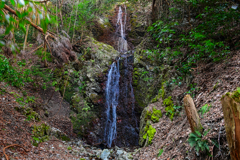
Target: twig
<point>35,49</point>
<point>12,146</point>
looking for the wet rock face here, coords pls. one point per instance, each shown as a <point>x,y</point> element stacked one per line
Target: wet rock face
<point>127,120</point>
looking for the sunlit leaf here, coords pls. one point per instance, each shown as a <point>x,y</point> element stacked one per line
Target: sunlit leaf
<point>21,2</point>
<point>7,17</point>
<point>2,43</point>
<point>12,2</point>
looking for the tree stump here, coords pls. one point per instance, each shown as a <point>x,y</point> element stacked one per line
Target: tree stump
<point>231,110</point>
<point>192,114</point>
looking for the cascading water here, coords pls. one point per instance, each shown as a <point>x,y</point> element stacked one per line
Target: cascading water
<point>119,93</point>
<point>112,94</point>
<point>122,42</point>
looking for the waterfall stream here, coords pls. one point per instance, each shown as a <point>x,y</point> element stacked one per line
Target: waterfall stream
<point>113,87</point>
<point>112,95</point>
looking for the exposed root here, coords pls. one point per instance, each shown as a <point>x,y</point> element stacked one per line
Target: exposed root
<point>12,146</point>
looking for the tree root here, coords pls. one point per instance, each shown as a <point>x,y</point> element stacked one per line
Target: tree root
<point>12,146</point>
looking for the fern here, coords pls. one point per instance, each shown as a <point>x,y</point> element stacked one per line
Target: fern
<point>196,140</point>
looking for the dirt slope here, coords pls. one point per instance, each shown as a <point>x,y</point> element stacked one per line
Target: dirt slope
<point>213,80</point>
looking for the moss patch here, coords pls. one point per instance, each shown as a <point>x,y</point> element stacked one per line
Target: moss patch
<point>169,107</point>
<point>40,134</point>
<point>150,132</point>
<point>27,111</point>
<point>155,115</point>
<point>236,95</point>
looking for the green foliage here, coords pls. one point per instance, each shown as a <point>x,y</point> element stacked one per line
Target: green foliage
<point>44,55</point>
<point>236,95</point>
<point>69,148</point>
<point>150,132</point>
<point>192,89</point>
<point>209,40</point>
<point>205,109</point>
<point>40,134</point>
<point>18,76</point>
<point>10,74</point>
<point>156,115</point>
<point>160,152</point>
<point>196,140</point>
<point>23,9</point>
<point>169,107</point>
<point>82,86</point>
<point>27,111</point>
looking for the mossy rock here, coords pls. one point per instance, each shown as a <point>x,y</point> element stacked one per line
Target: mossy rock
<point>156,115</point>
<point>236,95</point>
<point>169,107</point>
<point>150,132</point>
<point>149,115</point>
<point>40,134</point>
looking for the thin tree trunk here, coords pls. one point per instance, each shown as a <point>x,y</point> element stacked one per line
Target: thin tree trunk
<point>25,41</point>
<point>192,114</point>
<point>75,23</point>
<point>57,14</point>
<point>231,112</point>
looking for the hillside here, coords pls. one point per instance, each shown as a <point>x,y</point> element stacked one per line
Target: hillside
<point>111,79</point>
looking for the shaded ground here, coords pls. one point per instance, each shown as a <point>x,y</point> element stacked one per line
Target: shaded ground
<point>213,80</point>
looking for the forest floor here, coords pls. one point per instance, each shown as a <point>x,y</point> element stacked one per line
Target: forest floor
<point>213,81</point>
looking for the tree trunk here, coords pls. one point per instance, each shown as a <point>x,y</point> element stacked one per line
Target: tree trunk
<point>231,111</point>
<point>192,114</point>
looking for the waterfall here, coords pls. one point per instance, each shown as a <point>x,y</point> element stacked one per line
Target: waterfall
<point>120,89</point>
<point>122,42</point>
<point>112,94</point>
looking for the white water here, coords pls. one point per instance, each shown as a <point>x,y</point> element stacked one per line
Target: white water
<point>112,86</point>
<point>122,42</point>
<point>112,94</point>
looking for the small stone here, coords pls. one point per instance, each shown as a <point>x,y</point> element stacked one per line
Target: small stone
<point>119,152</point>
<point>36,151</point>
<point>105,154</point>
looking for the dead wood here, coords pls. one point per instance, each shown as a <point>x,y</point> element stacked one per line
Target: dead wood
<point>12,146</point>
<point>59,46</point>
<point>192,114</point>
<point>231,111</point>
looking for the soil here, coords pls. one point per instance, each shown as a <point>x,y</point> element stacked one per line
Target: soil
<point>213,81</point>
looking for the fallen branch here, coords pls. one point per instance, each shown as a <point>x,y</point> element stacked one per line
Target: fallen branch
<point>61,47</point>
<point>31,23</point>
<point>12,146</point>
<point>35,49</point>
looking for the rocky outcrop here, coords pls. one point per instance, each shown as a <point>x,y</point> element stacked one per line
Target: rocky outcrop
<point>150,115</point>
<point>83,87</point>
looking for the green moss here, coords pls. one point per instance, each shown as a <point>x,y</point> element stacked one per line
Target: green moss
<point>31,115</point>
<point>150,132</point>
<point>69,148</point>
<point>236,95</point>
<point>157,97</point>
<point>156,115</point>
<point>64,138</point>
<point>162,91</point>
<point>169,107</point>
<point>40,134</point>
